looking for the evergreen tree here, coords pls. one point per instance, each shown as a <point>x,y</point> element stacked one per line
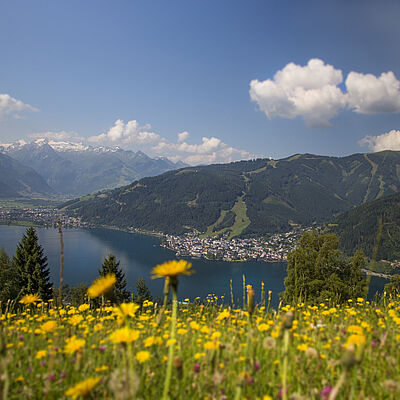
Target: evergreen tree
<point>392,289</point>
<point>317,270</point>
<point>111,266</point>
<point>142,292</point>
<point>8,278</point>
<point>31,266</point>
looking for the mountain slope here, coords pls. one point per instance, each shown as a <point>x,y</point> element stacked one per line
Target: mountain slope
<point>373,227</point>
<point>76,169</point>
<point>17,180</point>
<point>248,197</point>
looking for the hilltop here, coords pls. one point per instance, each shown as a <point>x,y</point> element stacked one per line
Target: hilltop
<point>246,198</point>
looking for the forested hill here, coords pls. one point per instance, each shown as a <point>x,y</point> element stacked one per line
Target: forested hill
<point>246,197</point>
<point>373,227</point>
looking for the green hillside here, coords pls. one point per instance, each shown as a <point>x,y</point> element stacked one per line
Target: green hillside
<point>373,227</point>
<point>247,197</point>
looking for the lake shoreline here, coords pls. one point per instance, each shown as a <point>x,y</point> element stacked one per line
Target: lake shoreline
<point>161,235</point>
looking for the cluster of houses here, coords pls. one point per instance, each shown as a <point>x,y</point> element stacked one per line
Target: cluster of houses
<point>273,248</point>
<point>41,216</point>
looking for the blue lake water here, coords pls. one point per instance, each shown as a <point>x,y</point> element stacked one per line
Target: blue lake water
<point>85,249</point>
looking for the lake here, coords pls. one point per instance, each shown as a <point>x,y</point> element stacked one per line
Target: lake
<point>85,249</point>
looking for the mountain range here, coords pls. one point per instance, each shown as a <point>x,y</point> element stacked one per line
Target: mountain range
<point>18,180</point>
<point>246,198</point>
<point>73,169</point>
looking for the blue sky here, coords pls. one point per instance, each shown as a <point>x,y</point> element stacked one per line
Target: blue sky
<point>139,73</point>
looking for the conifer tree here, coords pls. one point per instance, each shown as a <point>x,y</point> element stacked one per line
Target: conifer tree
<point>111,266</point>
<point>31,267</point>
<point>142,292</point>
<point>8,278</point>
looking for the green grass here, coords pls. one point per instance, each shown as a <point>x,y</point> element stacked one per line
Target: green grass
<point>242,221</point>
<point>210,229</point>
<point>299,352</point>
<point>27,203</point>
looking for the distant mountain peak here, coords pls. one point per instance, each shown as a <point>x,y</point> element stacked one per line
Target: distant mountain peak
<point>75,168</point>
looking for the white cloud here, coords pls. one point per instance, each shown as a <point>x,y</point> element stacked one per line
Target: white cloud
<point>313,92</point>
<point>211,150</point>
<point>386,141</point>
<point>183,136</point>
<point>123,134</point>
<point>368,94</point>
<point>310,91</point>
<point>60,135</point>
<point>134,136</point>
<point>11,106</point>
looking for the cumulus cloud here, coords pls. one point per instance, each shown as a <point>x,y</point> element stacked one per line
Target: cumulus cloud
<point>386,141</point>
<point>210,150</point>
<point>183,136</point>
<point>312,92</point>
<point>368,94</point>
<point>132,135</point>
<point>11,106</point>
<point>125,134</point>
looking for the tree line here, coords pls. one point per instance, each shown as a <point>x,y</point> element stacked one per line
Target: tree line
<point>27,272</point>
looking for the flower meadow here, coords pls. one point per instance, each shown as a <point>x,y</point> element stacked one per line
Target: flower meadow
<point>205,349</point>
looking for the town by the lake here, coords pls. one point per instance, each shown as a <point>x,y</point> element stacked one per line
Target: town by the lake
<point>270,248</point>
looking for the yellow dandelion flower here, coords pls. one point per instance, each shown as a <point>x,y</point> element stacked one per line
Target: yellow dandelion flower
<point>82,388</point>
<point>172,269</point>
<point>19,378</point>
<point>142,356</point>
<point>102,285</point>
<point>263,327</point>
<point>98,327</point>
<point>30,298</point>
<point>149,341</point>
<point>49,326</point>
<point>358,340</point>
<point>124,335</point>
<point>211,345</point>
<point>194,325</point>
<point>223,315</point>
<point>358,330</point>
<point>182,331</point>
<point>102,368</point>
<point>205,329</point>
<point>128,309</point>
<point>41,354</point>
<point>73,344</point>
<point>83,307</point>
<point>75,319</point>
<point>197,356</point>
<point>302,347</point>
<point>216,335</point>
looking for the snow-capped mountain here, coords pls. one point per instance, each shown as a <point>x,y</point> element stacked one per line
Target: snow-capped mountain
<point>73,168</point>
